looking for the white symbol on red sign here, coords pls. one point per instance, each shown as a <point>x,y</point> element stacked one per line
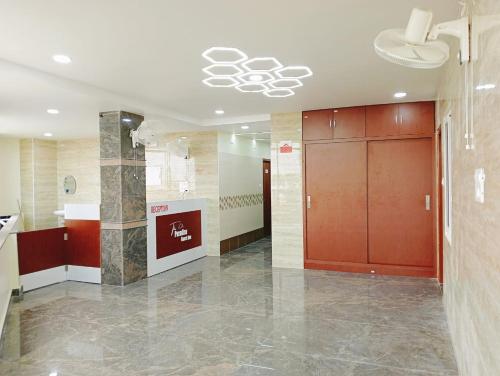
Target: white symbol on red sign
<point>286,148</point>
<point>178,231</point>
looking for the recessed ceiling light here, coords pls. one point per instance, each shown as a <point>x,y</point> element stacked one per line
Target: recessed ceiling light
<point>53,111</point>
<point>245,127</point>
<point>61,59</point>
<point>219,112</point>
<point>400,94</point>
<point>486,87</point>
<point>183,137</point>
<point>47,134</point>
<point>127,120</point>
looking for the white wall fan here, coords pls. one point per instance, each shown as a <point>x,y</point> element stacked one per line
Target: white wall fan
<point>418,46</point>
<point>148,134</point>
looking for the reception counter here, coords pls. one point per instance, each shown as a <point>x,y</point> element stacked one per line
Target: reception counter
<point>177,233</point>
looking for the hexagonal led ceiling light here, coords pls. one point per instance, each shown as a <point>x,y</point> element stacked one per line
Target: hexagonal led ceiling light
<point>279,93</point>
<point>224,55</point>
<point>222,70</point>
<point>285,83</point>
<point>262,64</point>
<point>221,81</point>
<point>252,88</point>
<point>294,72</point>
<point>256,77</point>
<point>252,74</point>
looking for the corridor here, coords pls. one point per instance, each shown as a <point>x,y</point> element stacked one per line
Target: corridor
<point>232,315</point>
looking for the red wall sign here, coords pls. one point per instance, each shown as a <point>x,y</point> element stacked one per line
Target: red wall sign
<point>285,148</point>
<point>177,233</point>
<point>159,208</point>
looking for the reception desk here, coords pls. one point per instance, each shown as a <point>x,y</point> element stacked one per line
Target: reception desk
<point>177,233</point>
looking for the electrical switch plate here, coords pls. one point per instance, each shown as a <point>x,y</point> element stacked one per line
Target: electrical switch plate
<point>479,180</point>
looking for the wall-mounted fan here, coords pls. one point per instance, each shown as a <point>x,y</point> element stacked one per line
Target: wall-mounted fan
<point>146,133</point>
<point>417,46</point>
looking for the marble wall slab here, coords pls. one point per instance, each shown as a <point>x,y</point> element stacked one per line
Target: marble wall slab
<point>123,200</point>
<point>286,191</point>
<point>38,183</point>
<point>472,258</point>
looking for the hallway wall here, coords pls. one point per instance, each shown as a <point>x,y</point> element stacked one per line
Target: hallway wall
<point>472,260</point>
<point>240,184</point>
<point>286,191</point>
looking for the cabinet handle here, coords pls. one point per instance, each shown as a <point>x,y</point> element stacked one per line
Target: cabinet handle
<point>396,119</point>
<point>401,119</point>
<point>334,123</point>
<point>427,202</point>
<point>330,123</point>
<point>309,202</point>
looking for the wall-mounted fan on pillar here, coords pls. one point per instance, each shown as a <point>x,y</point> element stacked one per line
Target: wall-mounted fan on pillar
<point>417,45</point>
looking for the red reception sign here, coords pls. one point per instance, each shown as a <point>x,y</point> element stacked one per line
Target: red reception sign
<point>177,233</point>
<point>285,147</point>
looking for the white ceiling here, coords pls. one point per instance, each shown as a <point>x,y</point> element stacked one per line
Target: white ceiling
<point>146,56</point>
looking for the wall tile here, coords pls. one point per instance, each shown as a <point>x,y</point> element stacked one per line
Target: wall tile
<point>286,191</point>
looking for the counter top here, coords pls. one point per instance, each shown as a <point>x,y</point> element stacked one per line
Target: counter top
<point>9,228</point>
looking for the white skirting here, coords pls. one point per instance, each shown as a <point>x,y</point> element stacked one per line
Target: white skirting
<point>47,277</point>
<point>84,274</point>
<point>42,278</point>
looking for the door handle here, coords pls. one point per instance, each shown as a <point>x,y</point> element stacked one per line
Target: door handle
<point>309,202</point>
<point>427,202</point>
<point>334,123</point>
<point>401,119</point>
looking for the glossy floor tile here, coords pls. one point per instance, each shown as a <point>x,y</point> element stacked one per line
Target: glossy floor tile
<point>233,315</point>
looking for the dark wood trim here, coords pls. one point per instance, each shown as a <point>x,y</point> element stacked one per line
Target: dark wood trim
<point>228,245</point>
<point>381,269</point>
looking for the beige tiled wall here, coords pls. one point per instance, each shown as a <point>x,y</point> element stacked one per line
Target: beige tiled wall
<point>79,158</point>
<point>472,260</point>
<point>39,183</point>
<point>286,191</point>
<point>200,171</point>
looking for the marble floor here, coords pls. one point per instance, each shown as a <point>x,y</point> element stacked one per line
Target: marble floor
<point>232,315</point>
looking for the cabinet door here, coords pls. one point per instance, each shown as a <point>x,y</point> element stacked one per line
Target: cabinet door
<point>382,120</point>
<point>336,222</point>
<point>416,118</point>
<point>399,218</point>
<point>349,122</point>
<point>317,125</point>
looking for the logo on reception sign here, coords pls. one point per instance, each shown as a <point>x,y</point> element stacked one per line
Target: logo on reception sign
<point>177,233</point>
<point>286,147</point>
<point>159,208</point>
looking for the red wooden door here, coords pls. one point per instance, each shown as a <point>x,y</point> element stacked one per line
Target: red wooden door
<point>382,120</point>
<point>317,125</point>
<point>399,224</point>
<point>349,122</point>
<point>416,118</point>
<point>266,189</point>
<point>336,212</point>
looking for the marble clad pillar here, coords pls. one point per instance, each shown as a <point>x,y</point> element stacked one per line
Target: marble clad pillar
<point>123,200</point>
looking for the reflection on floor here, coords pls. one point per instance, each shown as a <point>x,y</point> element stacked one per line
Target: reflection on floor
<point>232,316</point>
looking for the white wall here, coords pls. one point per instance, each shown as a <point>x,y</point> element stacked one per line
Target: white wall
<point>10,173</point>
<point>240,184</point>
